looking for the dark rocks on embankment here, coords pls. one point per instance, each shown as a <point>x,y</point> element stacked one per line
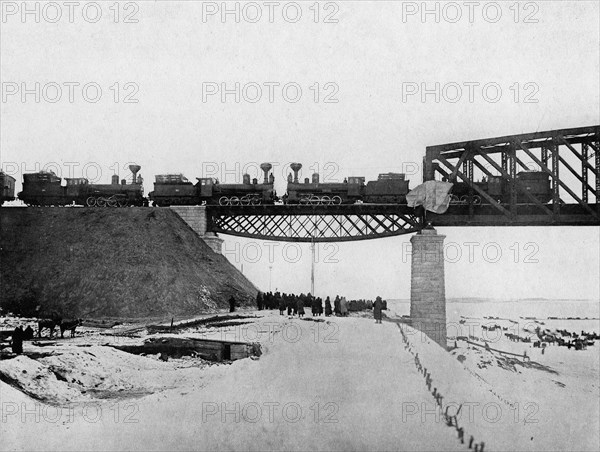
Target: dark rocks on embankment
<point>92,262</point>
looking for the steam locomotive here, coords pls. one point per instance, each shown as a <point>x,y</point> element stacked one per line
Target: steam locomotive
<point>389,188</point>
<point>7,188</point>
<point>537,183</point>
<point>175,189</point>
<point>45,189</point>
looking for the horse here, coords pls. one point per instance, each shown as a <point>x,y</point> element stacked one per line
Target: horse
<point>70,325</point>
<point>47,323</point>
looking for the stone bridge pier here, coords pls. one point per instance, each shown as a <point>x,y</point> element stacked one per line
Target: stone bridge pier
<point>427,285</point>
<point>195,217</point>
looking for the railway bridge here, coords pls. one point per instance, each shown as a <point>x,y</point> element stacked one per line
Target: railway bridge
<point>570,158</point>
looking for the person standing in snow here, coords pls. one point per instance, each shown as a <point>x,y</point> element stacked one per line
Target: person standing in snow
<point>344,307</point>
<point>336,305</point>
<point>314,308</point>
<point>28,333</point>
<point>327,307</point>
<point>301,306</point>
<point>283,300</point>
<point>377,307</point>
<point>17,340</point>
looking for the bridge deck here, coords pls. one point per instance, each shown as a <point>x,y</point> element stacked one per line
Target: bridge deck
<point>299,209</point>
<point>338,223</point>
<point>526,215</point>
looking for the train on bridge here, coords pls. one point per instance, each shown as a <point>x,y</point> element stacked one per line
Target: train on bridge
<point>44,188</point>
<point>176,190</point>
<point>389,188</point>
<point>537,183</point>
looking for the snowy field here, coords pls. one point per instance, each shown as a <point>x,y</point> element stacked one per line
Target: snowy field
<point>555,403</point>
<point>343,384</point>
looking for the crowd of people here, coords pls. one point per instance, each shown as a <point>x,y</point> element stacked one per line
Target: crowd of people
<point>292,304</point>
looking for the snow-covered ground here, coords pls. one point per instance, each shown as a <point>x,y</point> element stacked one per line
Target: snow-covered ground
<point>553,403</point>
<point>344,384</point>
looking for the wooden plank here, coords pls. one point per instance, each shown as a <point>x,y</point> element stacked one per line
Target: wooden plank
<point>207,349</point>
<point>240,351</point>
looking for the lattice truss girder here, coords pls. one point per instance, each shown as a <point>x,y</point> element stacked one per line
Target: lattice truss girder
<point>570,157</point>
<point>317,228</point>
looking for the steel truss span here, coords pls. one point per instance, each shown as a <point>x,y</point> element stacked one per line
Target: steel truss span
<point>545,178</point>
<point>315,223</point>
<point>565,162</point>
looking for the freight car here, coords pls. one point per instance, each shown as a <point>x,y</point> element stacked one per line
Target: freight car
<point>7,188</point>
<point>389,188</point>
<point>45,189</point>
<point>536,183</point>
<point>175,189</point>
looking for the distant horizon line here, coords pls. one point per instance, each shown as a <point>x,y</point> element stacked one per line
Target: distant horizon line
<point>502,300</point>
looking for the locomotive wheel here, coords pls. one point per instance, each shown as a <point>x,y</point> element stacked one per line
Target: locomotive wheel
<point>235,201</point>
<point>91,201</point>
<point>111,202</point>
<point>223,201</point>
<point>245,200</point>
<point>255,201</point>
<point>101,202</point>
<point>315,200</point>
<point>464,199</point>
<point>326,200</point>
<point>477,200</point>
<point>336,200</point>
<point>454,199</point>
<point>304,200</point>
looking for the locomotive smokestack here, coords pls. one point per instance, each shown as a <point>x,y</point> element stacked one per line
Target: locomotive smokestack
<point>295,168</point>
<point>134,169</point>
<point>115,179</point>
<point>266,167</point>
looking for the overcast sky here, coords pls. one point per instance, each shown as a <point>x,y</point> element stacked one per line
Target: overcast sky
<point>354,74</point>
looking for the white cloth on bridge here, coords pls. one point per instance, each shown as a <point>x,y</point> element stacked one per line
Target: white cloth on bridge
<point>432,195</point>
